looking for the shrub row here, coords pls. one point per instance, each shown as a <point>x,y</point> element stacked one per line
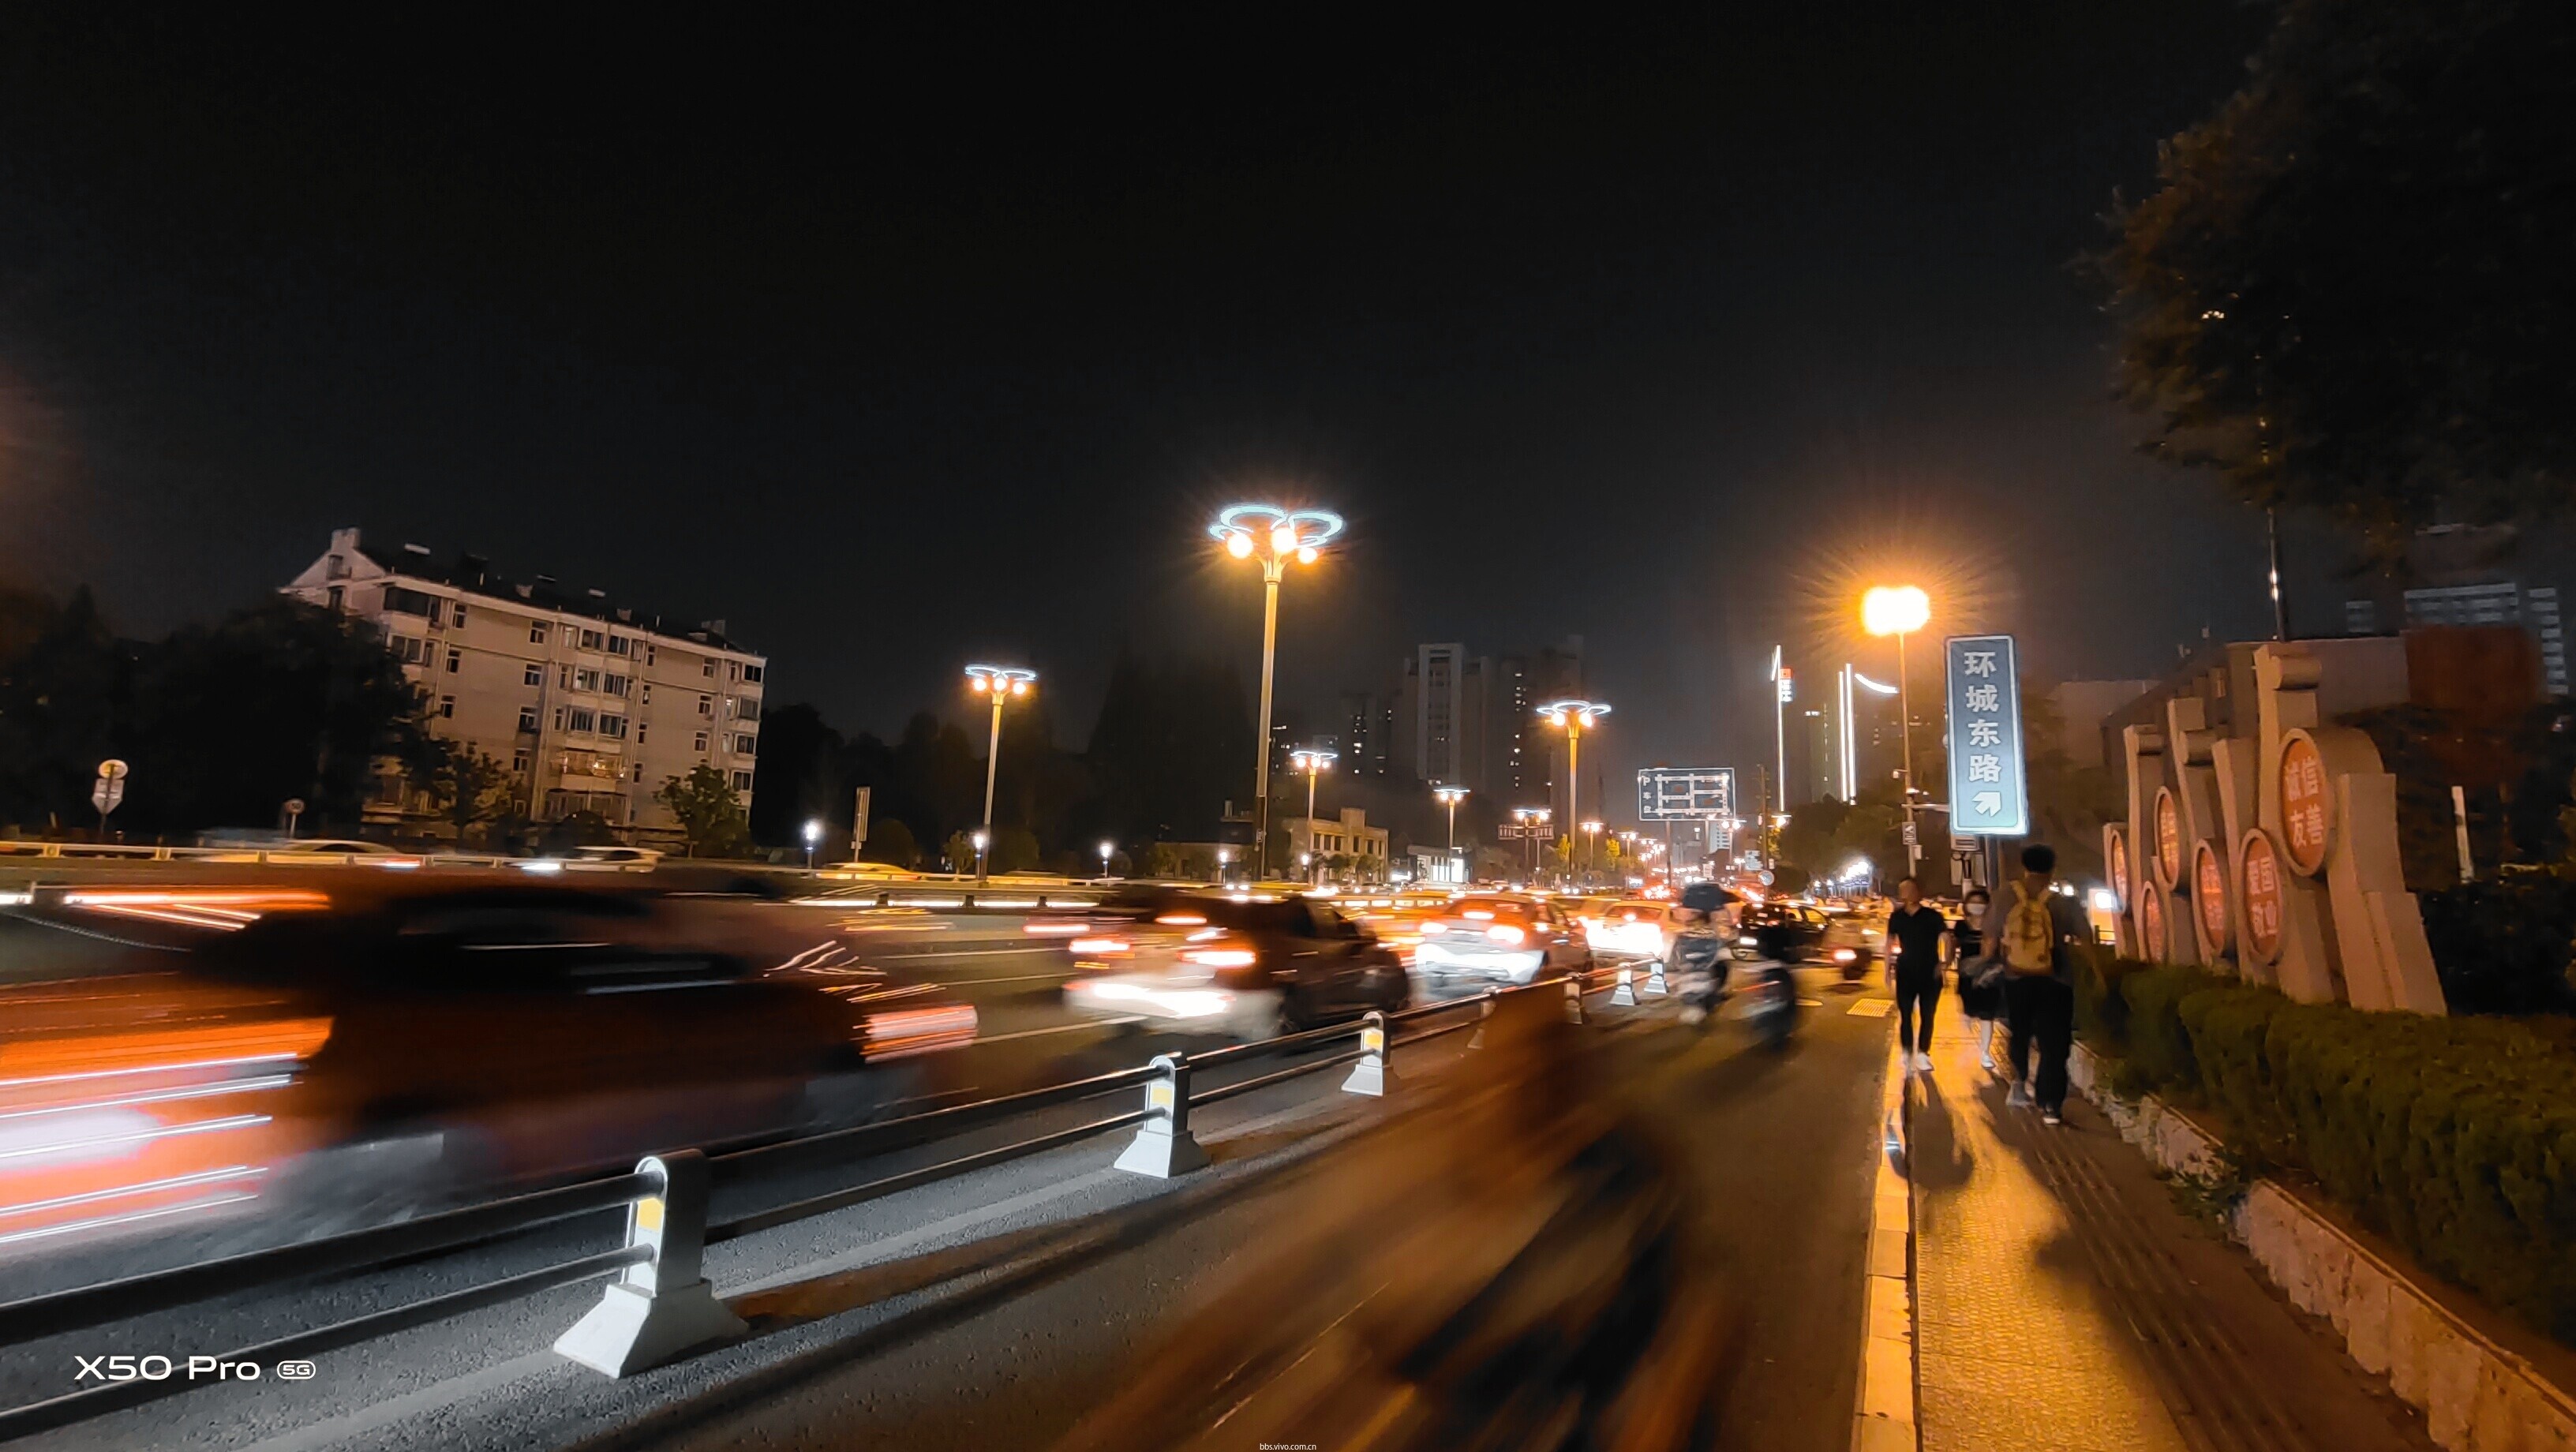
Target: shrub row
<point>2455,1137</point>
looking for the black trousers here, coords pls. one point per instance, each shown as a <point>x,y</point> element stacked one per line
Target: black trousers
<point>1916,987</point>
<point>2041,1011</point>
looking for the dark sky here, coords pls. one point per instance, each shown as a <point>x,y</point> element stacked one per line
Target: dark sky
<point>903,347</point>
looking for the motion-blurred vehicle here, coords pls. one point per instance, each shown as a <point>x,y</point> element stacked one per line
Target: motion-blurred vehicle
<point>1853,940</point>
<point>610,858</point>
<point>1630,928</point>
<point>1397,919</point>
<point>1782,931</point>
<point>322,1060</point>
<point>1501,938</point>
<point>1246,965</point>
<point>320,849</point>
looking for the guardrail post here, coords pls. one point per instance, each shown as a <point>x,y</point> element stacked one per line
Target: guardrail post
<point>1625,995</point>
<point>663,1306</point>
<point>1655,985</point>
<point>1163,1146</point>
<point>1372,1073</point>
<point>1484,1013</point>
<point>1574,997</point>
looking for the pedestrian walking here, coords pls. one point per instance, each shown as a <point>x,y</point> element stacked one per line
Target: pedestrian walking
<point>2035,945</point>
<point>1981,984</point>
<point>1914,934</point>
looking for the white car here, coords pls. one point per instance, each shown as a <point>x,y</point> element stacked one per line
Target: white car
<point>1634,928</point>
<point>613,859</point>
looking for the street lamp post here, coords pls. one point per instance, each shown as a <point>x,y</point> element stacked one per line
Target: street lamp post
<point>813,834</point>
<point>1106,849</point>
<point>1001,683</point>
<point>1275,535</point>
<point>1313,761</point>
<point>1573,717</point>
<point>1900,610</point>
<point>1450,797</point>
<point>1591,846</point>
<point>1531,820</point>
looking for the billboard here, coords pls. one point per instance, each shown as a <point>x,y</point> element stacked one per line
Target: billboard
<point>1989,792</point>
<point>1685,793</point>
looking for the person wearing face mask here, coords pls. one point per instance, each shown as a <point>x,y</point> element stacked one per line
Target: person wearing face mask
<point>1981,987</point>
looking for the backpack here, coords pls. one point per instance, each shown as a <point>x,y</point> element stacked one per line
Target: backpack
<point>2030,935</point>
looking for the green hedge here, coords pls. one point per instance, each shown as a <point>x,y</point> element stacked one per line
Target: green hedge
<point>2455,1137</point>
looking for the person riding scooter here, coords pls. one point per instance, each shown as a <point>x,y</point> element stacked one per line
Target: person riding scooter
<point>1697,958</point>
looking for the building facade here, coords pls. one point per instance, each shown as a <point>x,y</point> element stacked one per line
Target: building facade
<point>589,708</point>
<point>1313,841</point>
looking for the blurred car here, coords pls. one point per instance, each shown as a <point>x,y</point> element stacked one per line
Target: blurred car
<point>1633,928</point>
<point>609,858</point>
<point>1794,930</point>
<point>1854,940</point>
<point>1501,938</point>
<point>326,1060</point>
<point>320,849</point>
<point>1246,965</point>
<point>1397,919</point>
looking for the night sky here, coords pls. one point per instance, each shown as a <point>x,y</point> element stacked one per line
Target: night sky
<point>901,348</point>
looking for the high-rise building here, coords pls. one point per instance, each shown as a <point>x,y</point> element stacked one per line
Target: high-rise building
<point>2460,578</point>
<point>588,706</point>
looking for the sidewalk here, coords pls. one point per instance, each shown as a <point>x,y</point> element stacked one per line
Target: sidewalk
<point>2064,1301</point>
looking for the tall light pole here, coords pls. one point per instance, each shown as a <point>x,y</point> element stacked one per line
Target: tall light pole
<point>1900,610</point>
<point>813,835</point>
<point>1450,797</point>
<point>1275,536</point>
<point>1314,761</point>
<point>1107,849</point>
<point>1780,692</point>
<point>1591,847</point>
<point>1573,717</point>
<point>1001,683</point>
<point>1532,820</point>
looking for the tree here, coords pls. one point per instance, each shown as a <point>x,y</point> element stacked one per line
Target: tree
<point>468,788</point>
<point>710,814</point>
<point>801,777</point>
<point>891,842</point>
<point>2350,289</point>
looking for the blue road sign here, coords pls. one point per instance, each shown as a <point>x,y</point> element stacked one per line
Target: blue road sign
<point>1685,794</point>
<point>1989,789</point>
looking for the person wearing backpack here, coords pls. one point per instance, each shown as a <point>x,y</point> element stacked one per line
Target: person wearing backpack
<point>2034,945</point>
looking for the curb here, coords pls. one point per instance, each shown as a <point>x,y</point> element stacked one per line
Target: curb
<point>2476,1396</point>
<point>1887,1418</point>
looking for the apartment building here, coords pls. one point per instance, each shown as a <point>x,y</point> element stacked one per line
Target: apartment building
<point>591,707</point>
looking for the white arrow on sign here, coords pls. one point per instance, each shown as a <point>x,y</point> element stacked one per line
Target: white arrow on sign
<point>1988,804</point>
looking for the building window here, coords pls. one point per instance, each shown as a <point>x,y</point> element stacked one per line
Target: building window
<point>399,601</point>
<point>519,760</point>
<point>649,652</point>
<point>590,640</point>
<point>640,729</point>
<point>447,708</point>
<point>337,594</point>
<point>619,645</point>
<point>751,674</point>
<point>750,709</point>
<point>527,720</point>
<point>707,707</point>
<point>536,632</point>
<point>613,685</point>
<point>559,718</point>
<point>639,772</point>
<point>707,668</point>
<point>742,781</point>
<point>733,707</point>
<point>647,695</point>
<point>533,675</point>
<point>456,611</point>
<point>407,650</point>
<point>701,744</point>
<point>585,680</point>
<point>437,611</point>
<point>746,746</point>
<point>582,720</point>
<point>455,659</point>
<point>612,725</point>
<point>563,677</point>
<point>733,670</point>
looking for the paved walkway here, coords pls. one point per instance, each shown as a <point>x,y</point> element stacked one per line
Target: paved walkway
<point>2064,1300</point>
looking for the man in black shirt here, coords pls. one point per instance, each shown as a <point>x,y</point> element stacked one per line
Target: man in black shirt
<point>1914,933</point>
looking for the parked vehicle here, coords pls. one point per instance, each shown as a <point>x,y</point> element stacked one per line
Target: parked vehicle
<point>1246,965</point>
<point>1501,938</point>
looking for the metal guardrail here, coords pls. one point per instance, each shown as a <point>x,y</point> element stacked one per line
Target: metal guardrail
<point>661,1306</point>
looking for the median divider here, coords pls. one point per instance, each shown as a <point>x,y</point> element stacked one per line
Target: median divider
<point>660,1304</point>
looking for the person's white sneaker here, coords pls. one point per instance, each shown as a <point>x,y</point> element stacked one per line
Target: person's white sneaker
<point>2019,1098</point>
<point>2051,1117</point>
<point>1922,1061</point>
<point>1986,1061</point>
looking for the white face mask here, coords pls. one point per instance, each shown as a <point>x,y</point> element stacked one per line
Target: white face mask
<point>1976,910</point>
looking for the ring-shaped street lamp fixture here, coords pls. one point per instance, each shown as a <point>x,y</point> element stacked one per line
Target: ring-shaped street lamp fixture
<point>1311,759</point>
<point>1584,713</point>
<point>1274,532</point>
<point>1573,716</point>
<point>1003,680</point>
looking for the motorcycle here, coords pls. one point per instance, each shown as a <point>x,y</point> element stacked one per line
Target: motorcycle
<point>1698,980</point>
<point>1772,990</point>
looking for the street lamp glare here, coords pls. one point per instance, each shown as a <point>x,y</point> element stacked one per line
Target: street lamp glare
<point>1895,610</point>
<point>1306,554</point>
<point>813,831</point>
<point>1238,545</point>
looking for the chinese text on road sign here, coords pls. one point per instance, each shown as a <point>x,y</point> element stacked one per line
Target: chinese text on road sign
<point>1987,784</point>
<point>1682,794</point>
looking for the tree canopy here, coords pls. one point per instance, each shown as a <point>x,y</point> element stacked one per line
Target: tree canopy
<point>2349,290</point>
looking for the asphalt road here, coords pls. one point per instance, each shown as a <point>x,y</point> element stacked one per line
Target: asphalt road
<point>953,1315</point>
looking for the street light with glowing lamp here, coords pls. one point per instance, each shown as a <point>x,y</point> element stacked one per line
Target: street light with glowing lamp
<point>981,840</point>
<point>1002,683</point>
<point>1275,535</point>
<point>1591,845</point>
<point>1573,717</point>
<point>1900,610</point>
<point>1106,850</point>
<point>813,835</point>
<point>1532,820</point>
<point>1313,761</point>
<point>1450,797</point>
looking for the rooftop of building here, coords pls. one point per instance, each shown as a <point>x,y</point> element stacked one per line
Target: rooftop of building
<point>473,573</point>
